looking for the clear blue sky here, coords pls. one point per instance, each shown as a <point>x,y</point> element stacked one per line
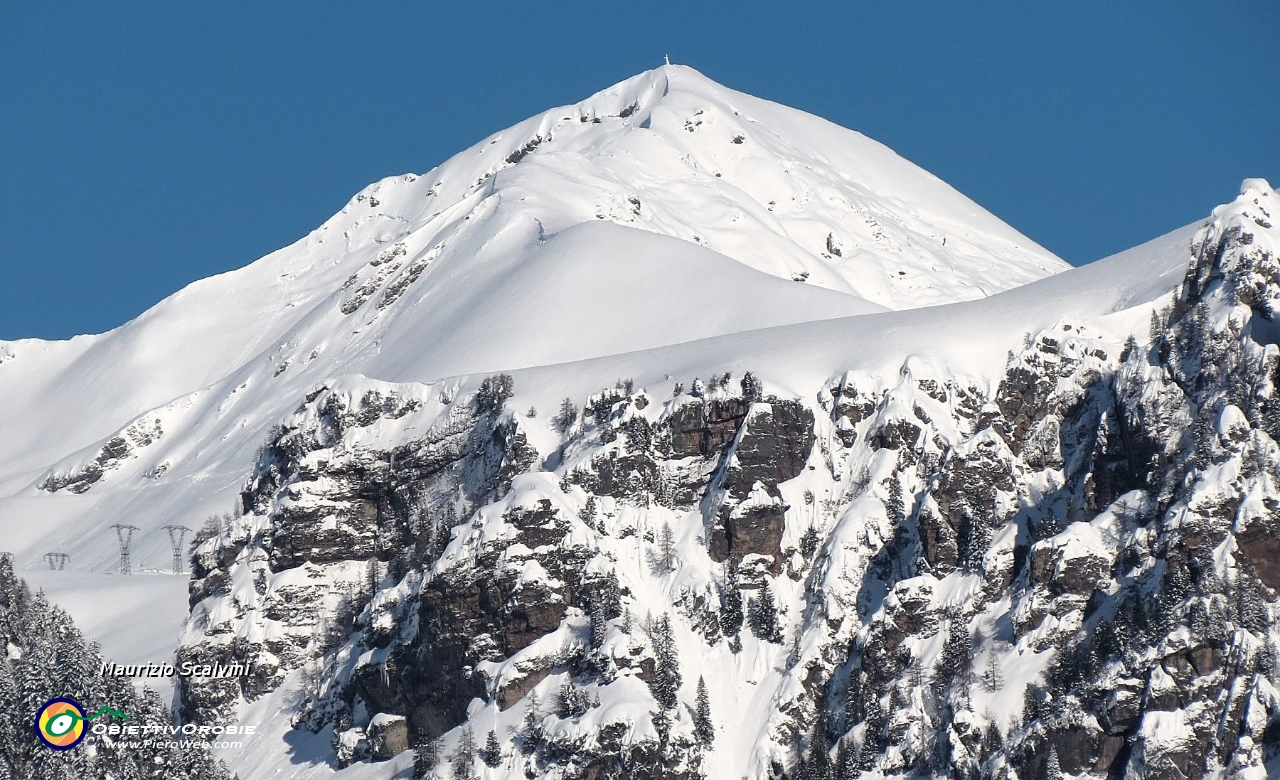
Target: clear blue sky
<point>147,144</point>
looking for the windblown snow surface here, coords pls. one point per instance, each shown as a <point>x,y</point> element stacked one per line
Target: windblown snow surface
<point>664,229</point>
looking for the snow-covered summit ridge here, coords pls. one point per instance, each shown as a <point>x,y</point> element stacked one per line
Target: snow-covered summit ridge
<point>673,152</point>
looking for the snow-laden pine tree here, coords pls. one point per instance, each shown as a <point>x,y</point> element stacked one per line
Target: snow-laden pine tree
<point>492,752</point>
<point>530,733</point>
<point>704,729</point>
<point>599,623</point>
<point>894,504</point>
<point>764,614</point>
<point>1052,766</point>
<point>425,757</point>
<point>665,684</point>
<point>731,609</point>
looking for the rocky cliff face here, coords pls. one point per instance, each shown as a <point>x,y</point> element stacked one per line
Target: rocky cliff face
<point>1070,568</point>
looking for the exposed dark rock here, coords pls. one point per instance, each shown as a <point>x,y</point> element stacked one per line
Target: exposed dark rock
<point>938,543</point>
<point>388,736</point>
<point>1078,748</point>
<point>756,531</point>
<point>517,689</point>
<point>114,453</point>
<point>773,447</point>
<point>896,435</point>
<point>1259,543</point>
<point>432,681</point>
<point>625,476</point>
<point>1123,708</point>
<point>705,429</point>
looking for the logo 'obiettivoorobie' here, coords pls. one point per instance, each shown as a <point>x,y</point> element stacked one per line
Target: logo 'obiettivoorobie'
<point>60,722</point>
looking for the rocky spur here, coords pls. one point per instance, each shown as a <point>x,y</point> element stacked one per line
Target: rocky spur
<point>184,669</point>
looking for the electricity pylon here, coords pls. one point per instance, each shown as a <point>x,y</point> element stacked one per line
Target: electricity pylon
<point>124,534</point>
<point>176,534</point>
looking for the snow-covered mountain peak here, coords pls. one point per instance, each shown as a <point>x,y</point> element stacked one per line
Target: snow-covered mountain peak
<point>1230,244</point>
<point>1256,185</point>
<point>1256,203</point>
<point>672,152</point>
<point>601,439</point>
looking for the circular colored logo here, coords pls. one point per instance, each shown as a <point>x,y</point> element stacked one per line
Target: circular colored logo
<point>60,723</point>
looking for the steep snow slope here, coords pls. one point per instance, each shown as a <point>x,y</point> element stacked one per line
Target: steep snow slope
<point>777,189</point>
<point>637,290</point>
<point>1114,293</point>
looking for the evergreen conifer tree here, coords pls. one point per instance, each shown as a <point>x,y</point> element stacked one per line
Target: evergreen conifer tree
<point>494,392</point>
<point>1030,704</point>
<point>957,656</point>
<point>425,758</point>
<point>1052,767</point>
<point>731,602</point>
<point>764,615</point>
<point>566,418</point>
<point>531,725</point>
<point>809,542</point>
<point>817,762</point>
<point>703,729</point>
<point>464,756</point>
<point>588,511</point>
<point>666,550</point>
<point>873,741</point>
<point>573,702</point>
<point>894,505</point>
<point>846,768</point>
<point>665,684</point>
<point>1130,348</point>
<point>612,595</point>
<point>492,755</point>
<point>599,623</point>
